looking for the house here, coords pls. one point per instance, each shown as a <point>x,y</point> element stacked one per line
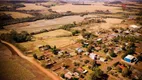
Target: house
<point>60,53</point>
<point>99,39</point>
<point>97,48</point>
<point>92,56</point>
<point>117,50</point>
<point>76,74</point>
<point>81,70</point>
<point>85,71</point>
<point>79,50</point>
<point>68,75</point>
<point>86,53</point>
<point>102,59</point>
<point>127,32</point>
<point>134,27</point>
<point>85,44</point>
<point>130,59</point>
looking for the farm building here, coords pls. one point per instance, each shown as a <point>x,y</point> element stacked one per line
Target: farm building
<point>130,58</point>
<point>134,27</point>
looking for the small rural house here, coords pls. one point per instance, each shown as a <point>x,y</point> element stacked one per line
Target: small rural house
<point>92,56</point>
<point>134,27</point>
<point>68,75</point>
<point>79,50</point>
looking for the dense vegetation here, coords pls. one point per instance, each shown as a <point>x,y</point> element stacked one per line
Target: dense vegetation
<point>14,36</point>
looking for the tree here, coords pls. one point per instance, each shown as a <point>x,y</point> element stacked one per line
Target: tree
<point>86,61</point>
<point>54,50</point>
<point>139,57</point>
<point>35,56</point>
<point>112,54</point>
<point>126,72</point>
<point>75,32</point>
<point>97,74</point>
<point>109,68</point>
<point>90,48</point>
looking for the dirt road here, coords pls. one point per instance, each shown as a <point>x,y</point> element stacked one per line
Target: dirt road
<point>19,53</point>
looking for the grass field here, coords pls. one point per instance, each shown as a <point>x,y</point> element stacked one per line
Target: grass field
<point>85,8</point>
<point>14,68</point>
<point>17,14</point>
<point>54,41</point>
<point>56,33</point>
<point>31,6</point>
<point>110,22</point>
<point>44,24</point>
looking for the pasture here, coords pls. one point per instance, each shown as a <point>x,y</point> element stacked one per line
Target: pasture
<point>56,33</point>
<point>85,8</point>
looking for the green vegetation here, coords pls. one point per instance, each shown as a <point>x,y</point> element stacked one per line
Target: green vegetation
<point>98,74</point>
<point>13,36</point>
<point>112,54</point>
<point>55,50</point>
<point>75,32</point>
<point>35,56</point>
<point>68,26</point>
<point>126,72</point>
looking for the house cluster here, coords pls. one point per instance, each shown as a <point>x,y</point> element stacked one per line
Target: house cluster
<point>69,75</point>
<point>104,44</point>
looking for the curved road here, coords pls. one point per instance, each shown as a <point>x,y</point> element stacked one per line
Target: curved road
<point>19,53</point>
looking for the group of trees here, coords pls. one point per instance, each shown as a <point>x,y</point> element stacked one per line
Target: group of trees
<point>14,36</point>
<point>68,26</point>
<point>11,6</point>
<point>98,74</point>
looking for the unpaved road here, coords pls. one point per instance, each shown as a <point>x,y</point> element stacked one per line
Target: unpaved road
<point>19,53</point>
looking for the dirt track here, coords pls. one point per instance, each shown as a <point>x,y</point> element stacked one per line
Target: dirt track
<point>19,53</point>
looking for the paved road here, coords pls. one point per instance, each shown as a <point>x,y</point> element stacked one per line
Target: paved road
<point>19,53</point>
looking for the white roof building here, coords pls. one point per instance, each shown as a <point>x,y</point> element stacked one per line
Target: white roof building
<point>134,26</point>
<point>92,56</point>
<point>129,57</point>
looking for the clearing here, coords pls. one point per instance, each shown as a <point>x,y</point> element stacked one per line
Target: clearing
<point>55,33</point>
<point>54,41</point>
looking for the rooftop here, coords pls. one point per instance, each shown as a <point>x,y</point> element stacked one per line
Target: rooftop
<point>129,57</point>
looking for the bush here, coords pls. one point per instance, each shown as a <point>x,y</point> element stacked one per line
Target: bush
<point>35,56</point>
<point>62,75</point>
<point>126,72</point>
<point>112,54</point>
<point>115,64</point>
<point>86,61</point>
<point>109,68</point>
<point>75,32</point>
